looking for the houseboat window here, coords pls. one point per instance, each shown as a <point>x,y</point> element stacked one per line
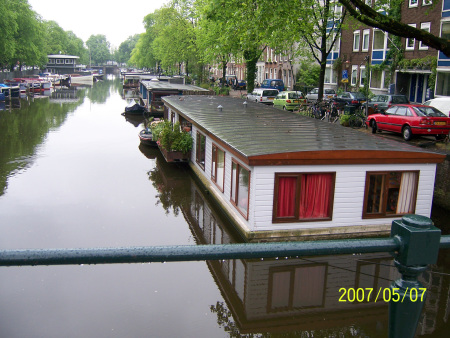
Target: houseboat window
<point>303,196</point>
<point>200,150</point>
<point>297,286</point>
<point>240,183</point>
<point>218,166</point>
<point>389,194</point>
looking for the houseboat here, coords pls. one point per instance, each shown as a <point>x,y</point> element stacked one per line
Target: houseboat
<point>151,92</point>
<point>280,176</point>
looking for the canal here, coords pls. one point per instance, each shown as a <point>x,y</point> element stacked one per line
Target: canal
<point>73,175</point>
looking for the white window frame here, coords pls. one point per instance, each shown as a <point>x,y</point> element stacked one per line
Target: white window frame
<point>384,40</point>
<point>412,4</point>
<point>366,33</point>
<point>426,26</point>
<point>427,2</point>
<point>407,40</point>
<point>354,68</point>
<point>356,34</point>
<point>381,80</point>
<point>361,70</point>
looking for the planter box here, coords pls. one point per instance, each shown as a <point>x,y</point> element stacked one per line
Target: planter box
<point>175,156</point>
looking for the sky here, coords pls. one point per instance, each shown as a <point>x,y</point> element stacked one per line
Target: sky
<point>117,20</point>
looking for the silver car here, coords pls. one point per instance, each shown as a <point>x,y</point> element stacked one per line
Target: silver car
<point>262,95</point>
<point>328,94</point>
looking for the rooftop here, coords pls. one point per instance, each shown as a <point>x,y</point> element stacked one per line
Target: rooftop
<point>262,134</point>
<point>164,85</point>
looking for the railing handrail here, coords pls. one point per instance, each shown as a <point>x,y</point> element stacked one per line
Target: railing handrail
<point>179,253</point>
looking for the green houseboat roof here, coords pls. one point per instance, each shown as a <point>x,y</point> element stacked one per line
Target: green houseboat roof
<point>263,135</point>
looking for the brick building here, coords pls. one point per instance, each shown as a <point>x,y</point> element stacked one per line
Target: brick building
<point>443,64</point>
<point>363,47</point>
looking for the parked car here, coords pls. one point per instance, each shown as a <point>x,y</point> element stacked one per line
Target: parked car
<point>241,84</point>
<point>441,103</point>
<point>410,120</point>
<point>328,94</point>
<point>380,103</point>
<point>262,95</point>
<point>289,100</point>
<point>273,84</point>
<point>350,98</point>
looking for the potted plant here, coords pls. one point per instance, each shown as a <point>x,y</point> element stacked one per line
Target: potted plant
<point>175,144</point>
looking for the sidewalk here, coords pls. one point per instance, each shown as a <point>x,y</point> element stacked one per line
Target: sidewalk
<point>238,93</point>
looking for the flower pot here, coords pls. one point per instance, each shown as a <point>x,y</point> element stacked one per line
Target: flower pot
<point>175,156</point>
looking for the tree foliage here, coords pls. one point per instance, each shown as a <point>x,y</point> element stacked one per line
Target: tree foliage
<point>123,53</point>
<point>98,47</point>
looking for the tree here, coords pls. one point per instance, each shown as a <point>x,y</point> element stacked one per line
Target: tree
<point>29,46</point>
<point>75,46</point>
<point>8,30</point>
<point>98,48</point>
<point>370,16</point>
<point>318,24</point>
<point>55,37</point>
<point>123,54</point>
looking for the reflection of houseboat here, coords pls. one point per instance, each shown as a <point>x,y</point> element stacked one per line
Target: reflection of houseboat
<point>152,91</point>
<point>279,175</point>
<point>295,294</point>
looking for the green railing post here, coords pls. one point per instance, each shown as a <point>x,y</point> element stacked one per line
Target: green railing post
<point>419,246</point>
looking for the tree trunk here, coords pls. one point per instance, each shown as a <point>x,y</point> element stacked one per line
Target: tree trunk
<point>251,58</point>
<point>224,72</point>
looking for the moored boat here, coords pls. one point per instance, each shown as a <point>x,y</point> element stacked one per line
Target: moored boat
<point>135,108</point>
<point>146,137</point>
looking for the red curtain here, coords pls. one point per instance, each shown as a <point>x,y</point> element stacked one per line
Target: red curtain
<point>315,195</point>
<point>286,196</point>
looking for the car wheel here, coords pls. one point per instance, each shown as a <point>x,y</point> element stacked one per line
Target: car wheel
<point>406,132</point>
<point>373,123</point>
<point>440,137</point>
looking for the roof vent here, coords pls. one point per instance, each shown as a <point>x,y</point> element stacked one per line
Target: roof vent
<point>219,107</point>
<point>245,104</point>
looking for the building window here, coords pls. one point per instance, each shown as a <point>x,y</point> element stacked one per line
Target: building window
<point>378,40</point>
<point>389,194</point>
<point>366,38</point>
<point>427,2</point>
<point>376,79</point>
<point>356,37</point>
<point>240,188</point>
<point>293,287</point>
<point>330,75</point>
<point>413,3</point>
<point>200,150</point>
<point>362,75</point>
<point>410,42</point>
<point>443,84</point>
<point>218,166</point>
<point>445,32</point>
<point>426,26</point>
<point>59,61</point>
<point>51,60</point>
<point>354,79</point>
<point>303,197</point>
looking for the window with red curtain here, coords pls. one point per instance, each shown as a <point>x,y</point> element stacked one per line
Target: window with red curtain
<point>303,196</point>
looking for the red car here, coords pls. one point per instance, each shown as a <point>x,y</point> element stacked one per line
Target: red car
<point>411,119</point>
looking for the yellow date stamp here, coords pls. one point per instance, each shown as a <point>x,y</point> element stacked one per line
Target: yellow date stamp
<point>365,295</point>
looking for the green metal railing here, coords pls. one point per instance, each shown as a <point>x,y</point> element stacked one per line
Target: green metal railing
<point>414,244</point>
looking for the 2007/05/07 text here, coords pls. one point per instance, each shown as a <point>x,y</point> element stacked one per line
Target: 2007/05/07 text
<point>384,294</point>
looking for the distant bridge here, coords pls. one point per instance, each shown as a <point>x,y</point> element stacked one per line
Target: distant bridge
<point>107,69</point>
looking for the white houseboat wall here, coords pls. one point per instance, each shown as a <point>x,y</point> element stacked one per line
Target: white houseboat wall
<point>273,155</point>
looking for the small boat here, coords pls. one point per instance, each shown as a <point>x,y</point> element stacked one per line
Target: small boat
<point>146,137</point>
<point>134,108</point>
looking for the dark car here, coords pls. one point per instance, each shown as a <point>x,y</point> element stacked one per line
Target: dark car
<point>411,119</point>
<point>380,103</point>
<point>349,98</point>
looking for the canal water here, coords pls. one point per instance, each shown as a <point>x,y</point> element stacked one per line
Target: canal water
<point>73,175</point>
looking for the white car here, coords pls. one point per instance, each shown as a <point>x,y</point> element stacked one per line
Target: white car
<point>262,95</point>
<point>441,103</point>
<point>328,93</point>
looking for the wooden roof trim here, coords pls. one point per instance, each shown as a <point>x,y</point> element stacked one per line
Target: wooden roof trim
<point>345,157</point>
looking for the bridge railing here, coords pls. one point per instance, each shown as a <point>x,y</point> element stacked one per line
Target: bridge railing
<point>414,244</point>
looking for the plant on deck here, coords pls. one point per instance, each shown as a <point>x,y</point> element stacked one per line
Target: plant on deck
<point>170,136</point>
